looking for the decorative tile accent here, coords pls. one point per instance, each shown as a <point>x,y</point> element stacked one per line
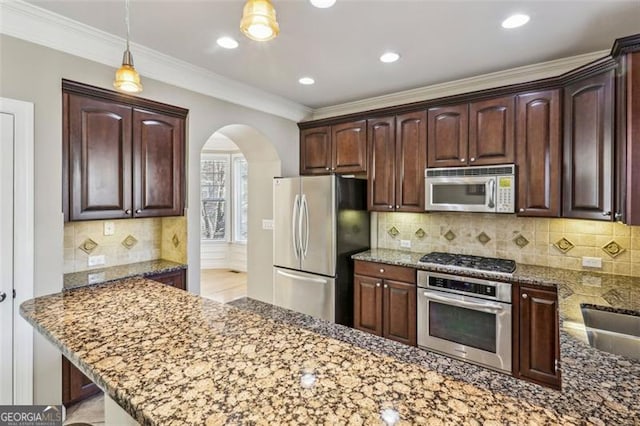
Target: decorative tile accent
<point>613,249</point>
<point>563,245</point>
<point>420,233</point>
<point>521,241</point>
<point>614,297</point>
<point>175,240</point>
<point>88,246</point>
<point>129,242</point>
<point>483,238</point>
<point>564,292</point>
<point>393,232</point>
<point>450,236</point>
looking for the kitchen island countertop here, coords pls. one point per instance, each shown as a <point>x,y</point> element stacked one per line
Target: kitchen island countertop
<point>169,357</point>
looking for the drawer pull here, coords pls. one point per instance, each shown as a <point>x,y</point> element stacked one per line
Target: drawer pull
<point>524,295</point>
<point>377,284</point>
<point>381,271</point>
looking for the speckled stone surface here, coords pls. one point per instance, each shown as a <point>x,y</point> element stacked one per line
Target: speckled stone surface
<point>168,357</point>
<point>113,273</point>
<point>613,292</point>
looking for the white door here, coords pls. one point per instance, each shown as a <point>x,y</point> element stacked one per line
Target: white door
<point>6,258</point>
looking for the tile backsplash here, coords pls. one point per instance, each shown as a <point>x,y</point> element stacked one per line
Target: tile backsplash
<point>536,241</point>
<point>134,240</point>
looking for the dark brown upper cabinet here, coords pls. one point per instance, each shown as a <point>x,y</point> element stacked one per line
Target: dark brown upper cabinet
<point>447,137</point>
<point>628,140</point>
<point>538,137</point>
<point>479,133</point>
<point>123,156</point>
<point>397,159</point>
<point>588,148</point>
<point>341,148</point>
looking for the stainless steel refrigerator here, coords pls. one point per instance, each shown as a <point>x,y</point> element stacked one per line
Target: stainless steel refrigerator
<point>319,222</point>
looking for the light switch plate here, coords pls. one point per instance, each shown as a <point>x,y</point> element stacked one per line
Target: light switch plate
<point>405,243</point>
<point>109,228</point>
<point>96,260</point>
<point>267,224</point>
<point>592,262</point>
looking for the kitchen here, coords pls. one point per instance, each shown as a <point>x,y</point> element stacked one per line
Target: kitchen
<point>280,132</point>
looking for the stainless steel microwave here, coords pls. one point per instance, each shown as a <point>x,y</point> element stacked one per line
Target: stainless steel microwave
<point>471,189</point>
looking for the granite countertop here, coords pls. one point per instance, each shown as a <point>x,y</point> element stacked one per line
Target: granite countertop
<point>113,273</point>
<point>618,293</point>
<point>169,357</point>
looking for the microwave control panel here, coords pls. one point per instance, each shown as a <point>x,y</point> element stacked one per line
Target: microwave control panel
<point>505,194</point>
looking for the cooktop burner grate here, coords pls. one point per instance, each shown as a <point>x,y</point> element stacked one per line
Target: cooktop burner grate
<point>491,264</point>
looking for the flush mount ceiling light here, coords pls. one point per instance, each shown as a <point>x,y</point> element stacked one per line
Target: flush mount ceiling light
<point>323,4</point>
<point>127,78</point>
<point>259,20</point>
<point>307,81</point>
<point>389,57</point>
<point>515,21</point>
<point>227,42</point>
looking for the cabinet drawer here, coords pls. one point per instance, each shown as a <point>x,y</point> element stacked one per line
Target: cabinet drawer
<point>382,270</point>
<point>177,279</point>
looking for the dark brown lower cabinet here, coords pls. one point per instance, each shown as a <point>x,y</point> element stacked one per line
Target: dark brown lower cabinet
<point>75,385</point>
<point>177,279</point>
<point>385,308</point>
<point>538,335</point>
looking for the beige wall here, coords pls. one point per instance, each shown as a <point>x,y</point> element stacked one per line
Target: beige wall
<point>588,238</point>
<point>33,73</point>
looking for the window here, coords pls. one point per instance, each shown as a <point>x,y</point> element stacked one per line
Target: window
<point>223,186</point>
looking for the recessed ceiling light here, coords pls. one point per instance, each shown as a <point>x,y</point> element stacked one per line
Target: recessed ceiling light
<point>307,81</point>
<point>227,42</point>
<point>323,4</point>
<point>515,21</point>
<point>389,57</point>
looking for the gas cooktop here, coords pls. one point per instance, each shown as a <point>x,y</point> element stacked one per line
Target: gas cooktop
<point>480,263</point>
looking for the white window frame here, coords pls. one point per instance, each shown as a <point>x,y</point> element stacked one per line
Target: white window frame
<point>227,189</point>
<point>235,192</point>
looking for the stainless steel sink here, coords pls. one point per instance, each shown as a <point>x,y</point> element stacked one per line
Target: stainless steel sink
<point>613,332</point>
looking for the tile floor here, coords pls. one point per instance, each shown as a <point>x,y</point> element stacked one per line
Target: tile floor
<point>88,412</point>
<point>223,285</point>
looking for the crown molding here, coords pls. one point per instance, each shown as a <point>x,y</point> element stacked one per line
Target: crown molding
<point>36,25</point>
<point>507,77</point>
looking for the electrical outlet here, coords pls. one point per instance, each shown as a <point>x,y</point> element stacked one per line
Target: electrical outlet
<point>109,228</point>
<point>592,262</point>
<point>405,243</point>
<point>96,260</point>
<point>98,277</point>
<point>267,224</point>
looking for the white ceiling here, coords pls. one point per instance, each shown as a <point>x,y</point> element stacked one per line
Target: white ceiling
<point>339,47</point>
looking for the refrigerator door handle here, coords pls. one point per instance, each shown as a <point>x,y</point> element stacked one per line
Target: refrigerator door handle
<point>294,213</point>
<point>305,209</point>
<point>301,278</point>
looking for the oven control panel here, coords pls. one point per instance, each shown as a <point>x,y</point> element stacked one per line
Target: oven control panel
<point>463,286</point>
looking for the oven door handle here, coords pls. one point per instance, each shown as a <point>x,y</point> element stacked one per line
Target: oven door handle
<point>490,307</point>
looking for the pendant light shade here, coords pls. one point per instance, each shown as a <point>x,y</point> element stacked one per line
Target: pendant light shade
<point>259,20</point>
<point>127,78</point>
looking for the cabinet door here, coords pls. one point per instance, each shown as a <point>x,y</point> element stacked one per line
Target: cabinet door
<point>588,148</point>
<point>538,140</point>
<point>315,151</point>
<point>367,313</point>
<point>99,146</point>
<point>349,147</point>
<point>539,336</point>
<point>177,279</point>
<point>75,385</point>
<point>491,135</point>
<point>381,174</point>
<point>411,160</point>
<point>399,312</point>
<point>447,136</point>
<point>158,165</point>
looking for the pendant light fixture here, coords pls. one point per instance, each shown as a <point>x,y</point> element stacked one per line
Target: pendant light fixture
<point>127,78</point>
<point>259,20</point>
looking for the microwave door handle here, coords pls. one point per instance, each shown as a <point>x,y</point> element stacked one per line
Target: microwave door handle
<point>492,308</point>
<point>492,193</point>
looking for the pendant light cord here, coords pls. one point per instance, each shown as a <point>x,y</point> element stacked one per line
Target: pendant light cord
<point>126,20</point>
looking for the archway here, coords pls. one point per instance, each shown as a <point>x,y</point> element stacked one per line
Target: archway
<point>263,164</point>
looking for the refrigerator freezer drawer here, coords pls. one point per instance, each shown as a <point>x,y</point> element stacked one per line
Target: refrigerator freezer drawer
<point>305,293</point>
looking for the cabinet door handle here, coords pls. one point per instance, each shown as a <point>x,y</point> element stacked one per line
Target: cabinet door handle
<point>386,286</point>
<point>138,211</point>
<point>397,206</point>
<point>462,160</point>
<point>472,159</point>
<point>618,216</point>
<point>326,168</point>
<point>127,211</point>
<point>606,213</point>
<point>524,295</point>
<point>521,209</point>
<point>390,207</point>
<point>377,284</point>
